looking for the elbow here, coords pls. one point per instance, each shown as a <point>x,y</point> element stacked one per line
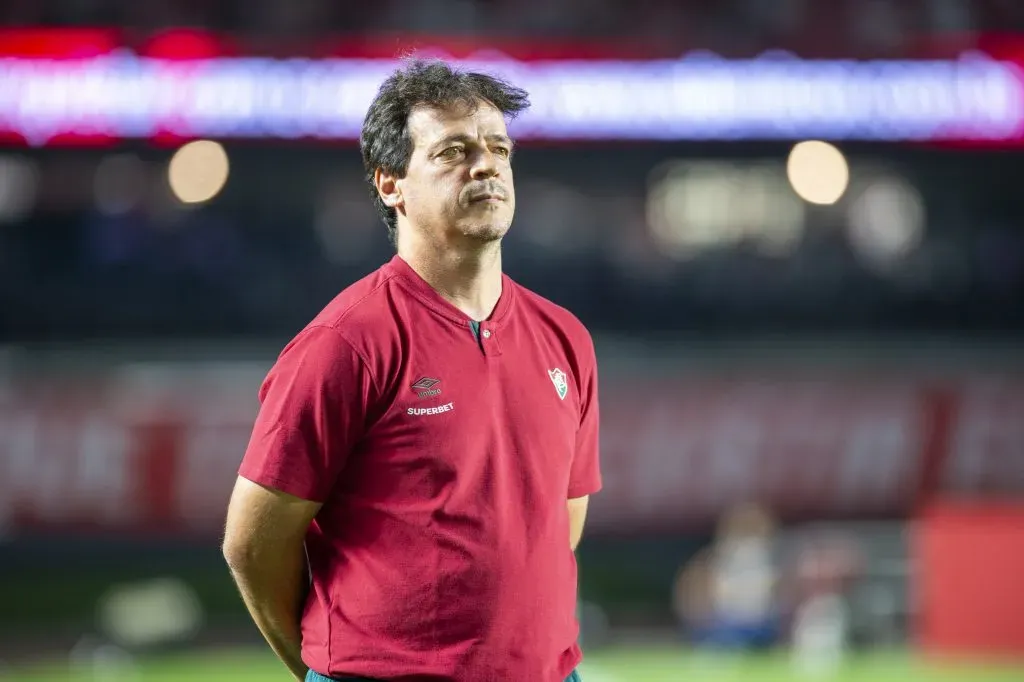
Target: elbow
<point>237,553</point>
<point>232,556</point>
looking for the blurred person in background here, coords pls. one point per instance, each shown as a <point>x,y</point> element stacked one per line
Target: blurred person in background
<point>430,439</point>
<point>727,596</point>
<point>820,629</point>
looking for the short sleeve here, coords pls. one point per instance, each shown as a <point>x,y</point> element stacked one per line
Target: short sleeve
<point>313,407</point>
<point>585,474</point>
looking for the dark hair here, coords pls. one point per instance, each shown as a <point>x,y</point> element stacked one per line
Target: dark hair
<point>385,142</point>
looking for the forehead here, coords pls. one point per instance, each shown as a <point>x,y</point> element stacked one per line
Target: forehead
<point>429,124</point>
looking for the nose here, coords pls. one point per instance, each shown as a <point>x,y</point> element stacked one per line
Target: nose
<point>485,165</point>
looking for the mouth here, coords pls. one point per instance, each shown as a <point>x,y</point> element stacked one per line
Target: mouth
<point>486,198</point>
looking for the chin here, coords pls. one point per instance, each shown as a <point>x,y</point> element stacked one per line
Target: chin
<point>489,233</point>
<point>486,232</point>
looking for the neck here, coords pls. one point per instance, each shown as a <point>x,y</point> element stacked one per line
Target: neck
<point>468,278</point>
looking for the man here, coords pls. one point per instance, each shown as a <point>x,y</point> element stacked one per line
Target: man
<point>430,439</point>
<point>727,597</point>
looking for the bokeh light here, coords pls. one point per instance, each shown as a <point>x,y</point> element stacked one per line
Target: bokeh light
<point>694,206</point>
<point>198,171</point>
<point>886,220</point>
<point>818,172</point>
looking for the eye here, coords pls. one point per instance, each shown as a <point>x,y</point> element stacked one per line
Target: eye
<point>451,153</point>
<point>503,152</point>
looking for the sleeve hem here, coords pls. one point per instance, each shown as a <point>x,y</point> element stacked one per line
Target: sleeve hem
<point>281,485</point>
<point>583,490</point>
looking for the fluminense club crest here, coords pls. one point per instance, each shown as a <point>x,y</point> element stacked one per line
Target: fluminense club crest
<point>560,381</point>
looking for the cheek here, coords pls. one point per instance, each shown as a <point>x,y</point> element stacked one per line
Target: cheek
<point>451,191</point>
<point>430,195</point>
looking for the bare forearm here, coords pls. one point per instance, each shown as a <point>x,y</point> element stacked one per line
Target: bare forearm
<point>274,591</point>
<point>577,518</point>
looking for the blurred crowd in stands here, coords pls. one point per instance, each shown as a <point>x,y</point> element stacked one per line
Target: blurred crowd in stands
<point>108,253</point>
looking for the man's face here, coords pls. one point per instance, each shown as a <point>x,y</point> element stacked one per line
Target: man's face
<point>459,181</point>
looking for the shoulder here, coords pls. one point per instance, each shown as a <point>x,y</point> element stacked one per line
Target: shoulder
<point>361,304</point>
<point>540,310</point>
<point>360,320</point>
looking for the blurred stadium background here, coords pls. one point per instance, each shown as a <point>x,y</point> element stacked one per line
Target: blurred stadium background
<point>795,228</point>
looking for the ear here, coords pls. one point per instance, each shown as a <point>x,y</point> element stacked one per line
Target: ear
<point>388,189</point>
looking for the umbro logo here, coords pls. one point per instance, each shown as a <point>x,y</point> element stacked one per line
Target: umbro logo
<point>424,387</point>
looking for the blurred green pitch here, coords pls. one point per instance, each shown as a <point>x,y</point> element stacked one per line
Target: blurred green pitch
<point>616,665</point>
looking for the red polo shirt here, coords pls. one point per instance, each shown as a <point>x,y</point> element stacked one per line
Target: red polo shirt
<point>444,461</point>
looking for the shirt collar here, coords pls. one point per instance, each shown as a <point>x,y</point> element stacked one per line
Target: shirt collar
<point>426,294</point>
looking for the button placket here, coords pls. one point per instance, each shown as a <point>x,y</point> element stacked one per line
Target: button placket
<point>489,342</point>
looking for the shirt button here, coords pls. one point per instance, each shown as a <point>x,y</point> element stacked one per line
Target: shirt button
<point>487,333</point>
